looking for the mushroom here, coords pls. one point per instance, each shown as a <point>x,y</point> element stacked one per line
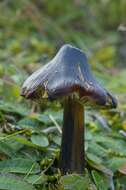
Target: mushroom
<point>67,77</point>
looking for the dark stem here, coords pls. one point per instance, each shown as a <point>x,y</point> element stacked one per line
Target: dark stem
<point>72,147</point>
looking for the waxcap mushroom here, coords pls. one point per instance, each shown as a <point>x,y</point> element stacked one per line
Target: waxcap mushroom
<point>68,77</point>
<point>68,73</point>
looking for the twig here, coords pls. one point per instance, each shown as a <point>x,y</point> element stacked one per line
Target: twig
<point>56,124</point>
<point>50,130</point>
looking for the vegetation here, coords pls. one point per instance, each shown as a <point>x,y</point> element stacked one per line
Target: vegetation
<point>31,32</point>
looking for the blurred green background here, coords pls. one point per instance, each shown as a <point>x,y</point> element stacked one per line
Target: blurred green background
<point>31,32</point>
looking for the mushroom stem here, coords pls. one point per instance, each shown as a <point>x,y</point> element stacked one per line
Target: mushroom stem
<point>72,147</point>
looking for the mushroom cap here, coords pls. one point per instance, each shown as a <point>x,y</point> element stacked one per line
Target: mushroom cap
<point>67,74</point>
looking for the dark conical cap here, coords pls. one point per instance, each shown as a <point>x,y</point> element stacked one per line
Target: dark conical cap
<point>66,74</point>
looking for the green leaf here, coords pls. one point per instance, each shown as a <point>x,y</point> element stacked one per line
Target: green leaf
<point>100,167</point>
<point>96,149</point>
<point>76,182</point>
<point>56,139</point>
<point>94,158</point>
<point>116,162</point>
<point>11,182</point>
<point>117,146</point>
<point>37,179</point>
<point>44,118</point>
<point>40,140</point>
<point>102,182</point>
<point>29,123</point>
<point>19,165</point>
<point>11,108</point>
<point>6,149</point>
